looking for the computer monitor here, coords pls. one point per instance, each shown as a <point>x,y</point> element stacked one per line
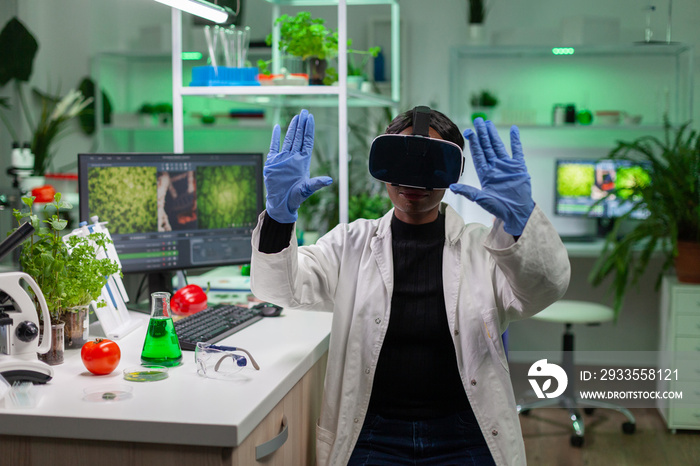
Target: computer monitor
<point>580,185</point>
<point>173,211</point>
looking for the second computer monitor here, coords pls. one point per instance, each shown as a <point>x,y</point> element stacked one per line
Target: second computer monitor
<point>174,211</point>
<point>598,188</point>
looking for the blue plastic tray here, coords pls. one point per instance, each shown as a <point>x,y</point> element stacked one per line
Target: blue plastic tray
<point>224,76</point>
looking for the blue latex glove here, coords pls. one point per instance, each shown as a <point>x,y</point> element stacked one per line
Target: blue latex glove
<point>286,172</point>
<point>505,183</point>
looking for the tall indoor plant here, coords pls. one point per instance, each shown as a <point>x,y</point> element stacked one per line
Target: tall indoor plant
<point>18,47</point>
<point>672,197</point>
<point>69,272</point>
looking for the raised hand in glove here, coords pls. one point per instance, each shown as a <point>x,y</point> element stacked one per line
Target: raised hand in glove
<point>286,171</point>
<point>505,183</point>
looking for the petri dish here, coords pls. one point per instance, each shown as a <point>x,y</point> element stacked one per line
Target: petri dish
<point>145,373</point>
<point>108,393</point>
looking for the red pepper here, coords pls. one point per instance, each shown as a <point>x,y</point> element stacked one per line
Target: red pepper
<point>188,300</point>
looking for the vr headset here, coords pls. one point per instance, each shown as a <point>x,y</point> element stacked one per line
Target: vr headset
<point>416,160</point>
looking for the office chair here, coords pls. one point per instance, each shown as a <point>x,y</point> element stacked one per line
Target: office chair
<point>569,313</point>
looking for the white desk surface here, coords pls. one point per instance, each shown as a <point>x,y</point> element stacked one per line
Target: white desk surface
<point>584,249</point>
<point>185,408</point>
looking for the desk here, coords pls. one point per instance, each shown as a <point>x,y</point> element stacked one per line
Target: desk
<point>584,249</point>
<point>185,419</point>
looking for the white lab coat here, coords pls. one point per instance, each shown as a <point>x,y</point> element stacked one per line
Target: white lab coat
<point>488,278</point>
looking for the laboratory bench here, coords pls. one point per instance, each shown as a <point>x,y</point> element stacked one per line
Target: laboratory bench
<point>184,419</point>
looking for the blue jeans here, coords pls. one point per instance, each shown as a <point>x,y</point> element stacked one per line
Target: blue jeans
<point>452,440</point>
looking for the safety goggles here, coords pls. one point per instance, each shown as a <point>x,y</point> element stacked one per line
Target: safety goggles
<point>221,362</point>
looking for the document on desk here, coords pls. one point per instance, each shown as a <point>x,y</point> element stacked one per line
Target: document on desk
<point>230,289</point>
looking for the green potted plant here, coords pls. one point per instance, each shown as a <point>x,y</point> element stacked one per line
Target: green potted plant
<point>672,197</point>
<point>308,38</point>
<point>357,73</point>
<point>69,272</point>
<point>476,11</point>
<point>367,197</point>
<point>483,104</point>
<point>476,15</point>
<point>18,47</point>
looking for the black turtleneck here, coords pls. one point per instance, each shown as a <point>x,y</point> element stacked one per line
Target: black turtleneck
<point>417,376</point>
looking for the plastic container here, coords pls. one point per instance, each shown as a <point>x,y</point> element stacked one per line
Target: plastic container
<point>224,76</point>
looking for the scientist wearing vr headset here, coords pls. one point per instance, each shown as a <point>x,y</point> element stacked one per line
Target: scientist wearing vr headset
<point>417,372</point>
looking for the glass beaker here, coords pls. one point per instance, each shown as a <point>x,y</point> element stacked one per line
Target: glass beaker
<point>161,346</point>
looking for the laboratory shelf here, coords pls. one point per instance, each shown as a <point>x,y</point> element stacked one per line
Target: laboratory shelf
<point>646,79</point>
<point>624,50</point>
<point>279,97</point>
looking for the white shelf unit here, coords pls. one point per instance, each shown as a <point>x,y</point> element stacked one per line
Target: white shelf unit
<point>296,96</point>
<point>679,351</point>
<point>646,79</point>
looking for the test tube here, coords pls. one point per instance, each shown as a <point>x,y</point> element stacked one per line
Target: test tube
<point>225,45</point>
<point>245,40</point>
<point>211,46</point>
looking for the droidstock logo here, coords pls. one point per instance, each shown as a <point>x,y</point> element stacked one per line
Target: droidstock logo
<point>546,371</point>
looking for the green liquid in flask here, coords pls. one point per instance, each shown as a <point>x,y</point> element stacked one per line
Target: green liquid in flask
<point>161,346</point>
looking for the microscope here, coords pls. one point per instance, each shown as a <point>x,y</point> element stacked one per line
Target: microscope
<point>19,323</point>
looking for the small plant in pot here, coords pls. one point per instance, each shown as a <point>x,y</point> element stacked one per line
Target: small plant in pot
<point>483,104</point>
<point>69,272</point>
<point>357,72</point>
<point>309,38</point>
<point>672,198</point>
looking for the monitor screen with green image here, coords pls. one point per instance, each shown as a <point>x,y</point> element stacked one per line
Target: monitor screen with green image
<point>174,211</point>
<point>598,188</point>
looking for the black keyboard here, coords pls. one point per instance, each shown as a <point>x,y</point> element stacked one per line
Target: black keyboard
<point>214,324</point>
<point>579,238</point>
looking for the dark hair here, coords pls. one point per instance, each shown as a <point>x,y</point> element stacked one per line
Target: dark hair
<point>438,121</point>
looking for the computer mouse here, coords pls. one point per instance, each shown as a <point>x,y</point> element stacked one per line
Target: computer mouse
<point>269,309</point>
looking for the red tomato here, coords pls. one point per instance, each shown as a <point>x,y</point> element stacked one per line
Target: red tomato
<point>101,356</point>
<point>188,300</point>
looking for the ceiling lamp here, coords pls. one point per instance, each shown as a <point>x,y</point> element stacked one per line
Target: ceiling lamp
<point>206,10</point>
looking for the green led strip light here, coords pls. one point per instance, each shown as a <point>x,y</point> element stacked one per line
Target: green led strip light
<point>191,55</point>
<point>563,50</point>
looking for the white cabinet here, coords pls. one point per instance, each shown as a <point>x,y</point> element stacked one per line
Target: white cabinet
<point>296,96</point>
<point>680,350</point>
<point>638,79</point>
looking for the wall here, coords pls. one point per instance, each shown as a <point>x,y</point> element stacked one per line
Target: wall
<point>72,32</point>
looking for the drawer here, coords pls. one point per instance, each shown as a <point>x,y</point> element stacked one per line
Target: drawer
<point>690,390</point>
<point>688,369</point>
<point>688,345</point>
<point>686,302</point>
<point>688,324</point>
<point>685,415</point>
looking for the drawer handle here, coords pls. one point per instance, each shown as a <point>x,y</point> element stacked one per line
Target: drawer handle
<point>272,445</point>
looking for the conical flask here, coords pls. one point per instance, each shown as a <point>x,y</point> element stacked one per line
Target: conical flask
<point>161,346</point>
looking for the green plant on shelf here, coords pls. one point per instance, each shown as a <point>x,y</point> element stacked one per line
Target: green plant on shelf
<point>307,37</point>
<point>483,99</point>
